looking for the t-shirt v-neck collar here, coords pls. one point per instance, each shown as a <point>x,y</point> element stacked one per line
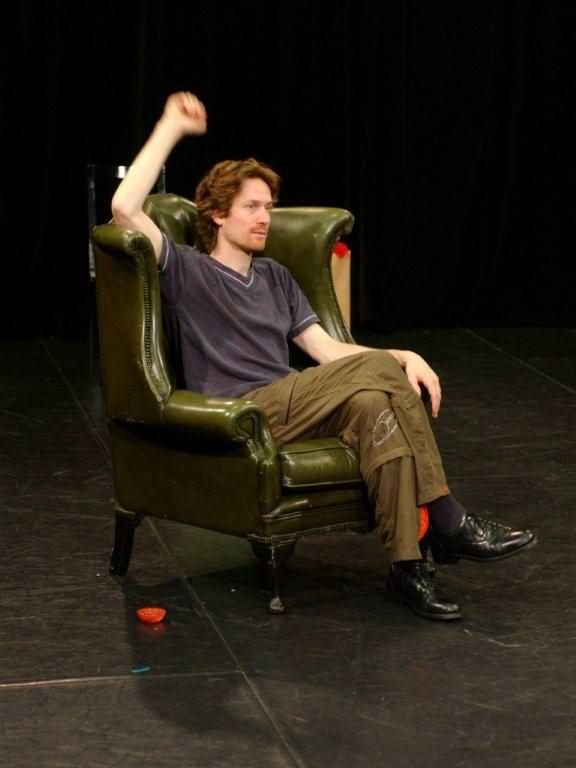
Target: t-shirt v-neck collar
<point>245,280</point>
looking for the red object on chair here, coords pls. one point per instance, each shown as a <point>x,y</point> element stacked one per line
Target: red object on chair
<point>341,249</point>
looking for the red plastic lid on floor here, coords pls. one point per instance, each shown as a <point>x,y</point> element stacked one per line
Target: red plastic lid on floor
<point>151,614</point>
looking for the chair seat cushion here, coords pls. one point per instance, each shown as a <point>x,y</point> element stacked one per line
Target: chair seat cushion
<point>316,464</point>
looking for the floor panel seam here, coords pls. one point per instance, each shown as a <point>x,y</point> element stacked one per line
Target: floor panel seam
<point>72,681</point>
<point>519,360</point>
<point>89,423</point>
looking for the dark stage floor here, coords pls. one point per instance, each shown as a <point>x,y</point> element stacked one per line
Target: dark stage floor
<point>349,678</point>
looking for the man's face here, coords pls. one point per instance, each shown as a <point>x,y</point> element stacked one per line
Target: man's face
<point>246,224</point>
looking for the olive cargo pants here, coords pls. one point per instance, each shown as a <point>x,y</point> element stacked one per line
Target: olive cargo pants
<point>367,401</point>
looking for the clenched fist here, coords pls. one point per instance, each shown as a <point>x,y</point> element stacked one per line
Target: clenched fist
<point>185,111</point>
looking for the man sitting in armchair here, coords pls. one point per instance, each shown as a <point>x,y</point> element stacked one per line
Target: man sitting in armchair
<point>237,313</point>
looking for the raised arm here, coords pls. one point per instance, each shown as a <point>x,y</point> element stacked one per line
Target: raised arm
<point>184,115</point>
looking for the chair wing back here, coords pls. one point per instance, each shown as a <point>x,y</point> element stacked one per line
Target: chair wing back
<point>176,216</point>
<point>303,240</point>
<point>134,365</point>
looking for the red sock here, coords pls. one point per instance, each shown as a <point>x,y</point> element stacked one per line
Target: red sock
<point>424,522</point>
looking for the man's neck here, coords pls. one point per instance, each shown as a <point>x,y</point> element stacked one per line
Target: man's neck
<point>234,258</point>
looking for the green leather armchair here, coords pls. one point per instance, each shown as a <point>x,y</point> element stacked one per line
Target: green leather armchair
<point>208,461</point>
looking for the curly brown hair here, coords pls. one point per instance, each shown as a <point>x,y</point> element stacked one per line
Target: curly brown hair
<point>217,190</point>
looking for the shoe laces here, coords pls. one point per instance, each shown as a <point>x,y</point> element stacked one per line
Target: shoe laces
<point>425,570</point>
<point>483,526</point>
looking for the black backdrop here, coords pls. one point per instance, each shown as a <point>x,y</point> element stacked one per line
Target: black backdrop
<point>446,126</point>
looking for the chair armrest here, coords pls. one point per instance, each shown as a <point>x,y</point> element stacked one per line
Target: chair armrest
<point>216,418</point>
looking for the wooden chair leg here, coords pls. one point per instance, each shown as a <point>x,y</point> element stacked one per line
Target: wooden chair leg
<point>272,558</point>
<point>126,524</point>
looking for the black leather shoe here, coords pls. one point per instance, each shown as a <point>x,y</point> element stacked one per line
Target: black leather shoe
<point>427,555</point>
<point>478,539</point>
<point>414,583</point>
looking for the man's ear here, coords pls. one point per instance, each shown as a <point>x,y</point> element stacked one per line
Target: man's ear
<point>218,217</point>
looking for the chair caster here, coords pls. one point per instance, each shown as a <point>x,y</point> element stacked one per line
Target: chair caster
<point>271,558</point>
<point>276,606</point>
<point>116,570</point>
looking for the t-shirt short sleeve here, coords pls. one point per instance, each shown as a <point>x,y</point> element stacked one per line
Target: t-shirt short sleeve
<point>302,313</point>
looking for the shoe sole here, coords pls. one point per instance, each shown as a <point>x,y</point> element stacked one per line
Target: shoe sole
<point>450,558</point>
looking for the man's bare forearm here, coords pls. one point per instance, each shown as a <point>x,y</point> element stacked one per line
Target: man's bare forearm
<point>184,114</point>
<point>144,171</point>
<point>324,348</point>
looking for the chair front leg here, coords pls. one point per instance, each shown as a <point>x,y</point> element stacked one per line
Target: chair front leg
<point>273,557</point>
<point>126,524</point>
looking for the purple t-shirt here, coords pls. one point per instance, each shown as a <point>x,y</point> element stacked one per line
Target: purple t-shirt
<point>233,331</point>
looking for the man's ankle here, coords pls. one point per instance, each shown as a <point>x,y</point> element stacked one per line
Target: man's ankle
<point>446,514</point>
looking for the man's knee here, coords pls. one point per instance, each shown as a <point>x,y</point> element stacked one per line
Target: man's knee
<point>373,414</point>
<point>382,365</point>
